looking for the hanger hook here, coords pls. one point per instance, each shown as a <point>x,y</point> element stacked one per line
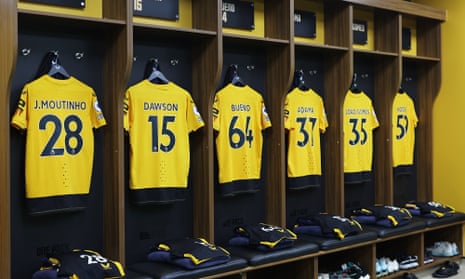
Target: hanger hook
<point>26,51</point>
<point>79,55</point>
<point>55,57</point>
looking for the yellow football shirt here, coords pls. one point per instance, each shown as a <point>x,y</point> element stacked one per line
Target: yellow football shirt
<point>59,116</point>
<point>359,121</point>
<point>239,116</point>
<point>305,118</point>
<point>404,121</point>
<point>159,118</point>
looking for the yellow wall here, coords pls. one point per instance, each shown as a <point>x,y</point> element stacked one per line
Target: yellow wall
<point>449,109</point>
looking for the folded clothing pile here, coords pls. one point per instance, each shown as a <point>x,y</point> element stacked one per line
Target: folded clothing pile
<point>190,253</point>
<point>382,215</point>
<point>82,264</point>
<point>430,209</point>
<point>263,237</point>
<point>327,225</point>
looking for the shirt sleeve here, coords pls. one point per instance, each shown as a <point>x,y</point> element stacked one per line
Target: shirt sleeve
<point>126,111</point>
<point>194,119</point>
<point>216,113</point>
<point>287,114</point>
<point>323,118</point>
<point>265,118</point>
<point>20,117</point>
<point>98,120</point>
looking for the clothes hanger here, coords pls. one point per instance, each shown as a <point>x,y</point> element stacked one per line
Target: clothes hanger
<point>156,76</point>
<point>400,90</point>
<point>299,81</point>
<point>56,69</point>
<point>353,86</point>
<point>233,77</point>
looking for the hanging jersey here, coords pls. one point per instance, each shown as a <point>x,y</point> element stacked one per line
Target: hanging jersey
<point>327,225</point>
<point>159,118</point>
<point>304,118</point>
<point>239,116</point>
<point>59,116</point>
<point>359,120</point>
<point>191,253</point>
<point>87,264</point>
<point>404,121</point>
<point>263,237</point>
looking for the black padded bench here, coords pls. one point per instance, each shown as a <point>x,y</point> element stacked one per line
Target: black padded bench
<point>256,257</point>
<point>433,222</point>
<point>332,243</point>
<point>155,270</point>
<point>415,225</point>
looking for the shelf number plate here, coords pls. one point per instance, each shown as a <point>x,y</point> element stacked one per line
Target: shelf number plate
<point>67,3</point>
<point>163,9</point>
<point>305,24</point>
<point>238,14</point>
<point>360,30</point>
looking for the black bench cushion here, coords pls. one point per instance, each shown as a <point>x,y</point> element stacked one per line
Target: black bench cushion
<point>256,257</point>
<point>169,271</point>
<point>432,222</point>
<point>134,275</point>
<point>386,232</point>
<point>332,243</point>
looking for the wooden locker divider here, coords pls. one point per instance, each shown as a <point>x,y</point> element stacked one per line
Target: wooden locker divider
<point>280,66</point>
<point>206,74</point>
<point>429,52</point>
<point>117,68</point>
<point>387,39</point>
<point>8,54</point>
<point>340,66</point>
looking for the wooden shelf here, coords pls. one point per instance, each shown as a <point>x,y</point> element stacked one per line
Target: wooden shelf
<point>242,39</point>
<point>301,45</point>
<point>421,58</point>
<point>33,19</point>
<point>147,30</point>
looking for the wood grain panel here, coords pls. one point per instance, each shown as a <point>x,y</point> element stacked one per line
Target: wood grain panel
<point>428,38</point>
<point>386,85</point>
<point>8,53</point>
<point>387,80</point>
<point>427,82</point>
<point>403,7</point>
<point>280,66</point>
<point>339,67</point>
<point>206,71</point>
<point>116,71</point>
<point>387,36</point>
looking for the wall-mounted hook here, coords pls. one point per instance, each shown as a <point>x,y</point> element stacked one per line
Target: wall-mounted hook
<point>55,57</point>
<point>79,55</point>
<point>250,67</point>
<point>174,62</point>
<point>26,51</point>
<point>408,78</point>
<point>312,72</point>
<point>364,75</point>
